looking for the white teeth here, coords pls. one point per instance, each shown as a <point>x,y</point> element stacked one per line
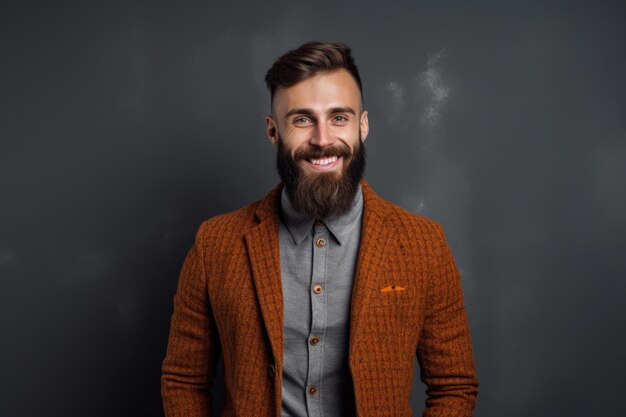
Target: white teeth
<point>323,161</point>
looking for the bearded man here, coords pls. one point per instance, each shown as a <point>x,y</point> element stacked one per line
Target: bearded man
<point>321,295</point>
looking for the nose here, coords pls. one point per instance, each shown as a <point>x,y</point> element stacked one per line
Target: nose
<point>321,136</point>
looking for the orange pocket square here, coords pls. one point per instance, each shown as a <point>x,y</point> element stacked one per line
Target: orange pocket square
<point>392,288</point>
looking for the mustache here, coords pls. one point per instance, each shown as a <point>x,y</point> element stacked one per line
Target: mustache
<point>316,152</point>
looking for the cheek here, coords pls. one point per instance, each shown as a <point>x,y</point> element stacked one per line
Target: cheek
<point>350,137</point>
<point>295,138</point>
<point>349,133</point>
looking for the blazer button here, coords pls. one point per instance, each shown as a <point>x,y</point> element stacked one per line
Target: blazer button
<point>272,370</point>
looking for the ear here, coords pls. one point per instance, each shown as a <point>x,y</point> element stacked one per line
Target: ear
<point>271,129</point>
<point>364,124</point>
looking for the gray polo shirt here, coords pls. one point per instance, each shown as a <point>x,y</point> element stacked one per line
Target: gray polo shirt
<point>318,262</point>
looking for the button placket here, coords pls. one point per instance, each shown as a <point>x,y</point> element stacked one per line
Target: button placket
<point>318,318</point>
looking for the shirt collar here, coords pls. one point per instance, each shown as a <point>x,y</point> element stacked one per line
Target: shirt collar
<point>340,227</point>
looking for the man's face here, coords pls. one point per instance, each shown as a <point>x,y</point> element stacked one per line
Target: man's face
<point>318,126</point>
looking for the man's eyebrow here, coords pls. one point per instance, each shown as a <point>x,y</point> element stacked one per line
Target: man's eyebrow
<point>342,110</point>
<point>309,112</point>
<point>306,112</point>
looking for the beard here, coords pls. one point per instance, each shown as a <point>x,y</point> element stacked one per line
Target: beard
<point>321,194</point>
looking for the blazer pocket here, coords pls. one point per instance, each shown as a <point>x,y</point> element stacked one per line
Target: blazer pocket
<point>380,298</point>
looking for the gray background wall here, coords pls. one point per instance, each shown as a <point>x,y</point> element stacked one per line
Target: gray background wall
<point>126,123</point>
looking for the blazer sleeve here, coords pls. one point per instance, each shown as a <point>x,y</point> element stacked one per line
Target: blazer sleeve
<point>193,348</point>
<point>444,350</point>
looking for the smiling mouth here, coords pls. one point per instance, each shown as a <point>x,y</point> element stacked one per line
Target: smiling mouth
<point>323,163</point>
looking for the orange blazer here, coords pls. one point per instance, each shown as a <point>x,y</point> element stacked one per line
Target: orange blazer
<point>407,302</point>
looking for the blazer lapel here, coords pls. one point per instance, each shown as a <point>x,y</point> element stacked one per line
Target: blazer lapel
<point>370,265</point>
<point>264,256</point>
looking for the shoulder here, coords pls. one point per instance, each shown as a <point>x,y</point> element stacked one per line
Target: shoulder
<point>223,234</point>
<point>414,236</point>
<point>396,216</point>
<point>408,226</point>
<point>227,226</point>
<point>220,236</point>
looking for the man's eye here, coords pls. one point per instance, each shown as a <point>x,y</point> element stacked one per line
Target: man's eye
<point>301,120</point>
<point>340,118</point>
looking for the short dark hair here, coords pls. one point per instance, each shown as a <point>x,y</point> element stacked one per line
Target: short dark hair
<point>308,60</point>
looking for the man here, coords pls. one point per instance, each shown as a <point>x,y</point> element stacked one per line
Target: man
<point>320,295</point>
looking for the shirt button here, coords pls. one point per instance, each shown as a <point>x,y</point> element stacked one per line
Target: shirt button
<point>315,340</point>
<point>317,289</point>
<point>319,223</point>
<point>312,390</point>
<point>320,243</point>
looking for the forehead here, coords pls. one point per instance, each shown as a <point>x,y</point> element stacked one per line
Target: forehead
<point>324,90</point>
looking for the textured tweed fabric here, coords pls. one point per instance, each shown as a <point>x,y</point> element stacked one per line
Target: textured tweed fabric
<point>406,301</point>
